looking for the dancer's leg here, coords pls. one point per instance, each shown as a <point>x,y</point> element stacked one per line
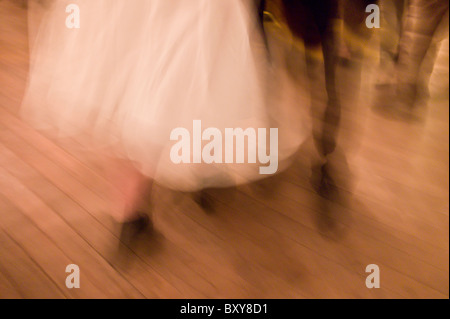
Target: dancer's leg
<point>422,20</point>
<point>130,187</point>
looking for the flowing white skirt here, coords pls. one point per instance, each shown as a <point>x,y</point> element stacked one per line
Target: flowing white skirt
<point>137,69</point>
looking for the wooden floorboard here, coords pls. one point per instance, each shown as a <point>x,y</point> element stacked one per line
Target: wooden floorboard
<point>273,239</point>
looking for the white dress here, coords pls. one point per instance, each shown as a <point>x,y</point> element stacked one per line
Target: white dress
<point>137,69</point>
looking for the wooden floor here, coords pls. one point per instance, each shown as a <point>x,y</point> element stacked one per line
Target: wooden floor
<point>274,239</point>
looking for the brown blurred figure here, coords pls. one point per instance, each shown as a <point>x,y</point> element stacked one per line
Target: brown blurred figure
<point>311,21</point>
<point>391,27</point>
<point>410,28</point>
<point>314,22</point>
<point>421,22</point>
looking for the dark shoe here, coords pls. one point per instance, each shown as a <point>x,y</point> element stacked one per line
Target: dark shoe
<point>323,183</point>
<point>204,200</point>
<point>130,230</point>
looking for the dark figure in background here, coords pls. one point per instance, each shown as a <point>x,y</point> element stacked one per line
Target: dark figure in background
<point>409,28</point>
<point>311,21</point>
<point>421,22</point>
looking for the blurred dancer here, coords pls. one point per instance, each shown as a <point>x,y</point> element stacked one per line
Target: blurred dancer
<point>136,70</point>
<point>421,22</point>
<point>391,29</point>
<point>320,24</point>
<point>409,28</point>
<point>312,21</point>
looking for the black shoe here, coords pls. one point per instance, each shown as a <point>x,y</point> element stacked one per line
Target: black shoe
<point>322,182</point>
<point>205,201</point>
<point>130,230</point>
